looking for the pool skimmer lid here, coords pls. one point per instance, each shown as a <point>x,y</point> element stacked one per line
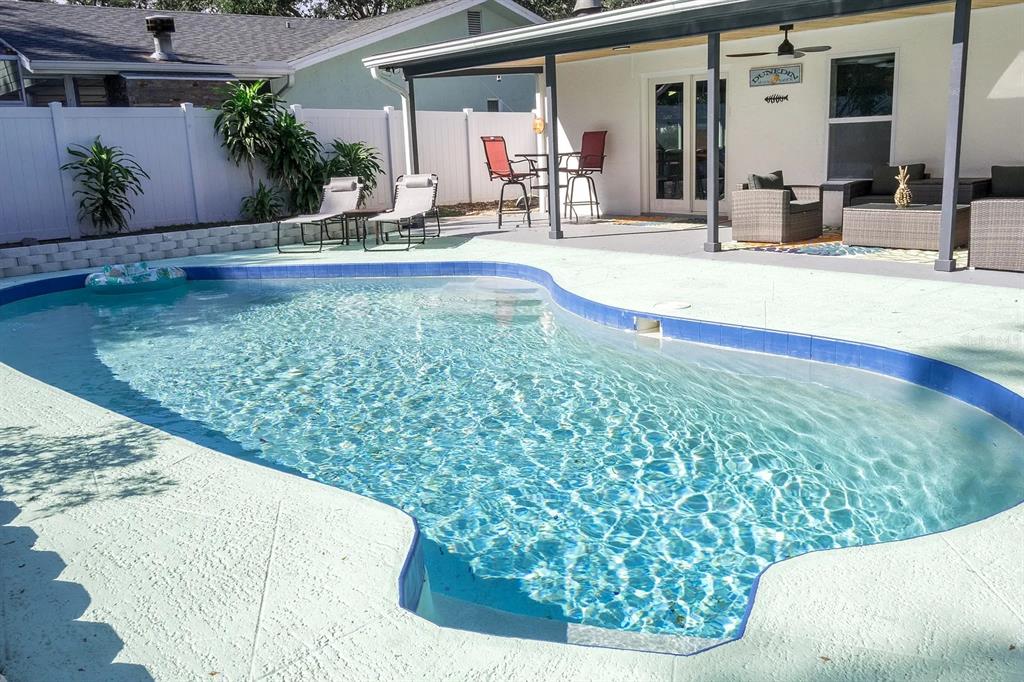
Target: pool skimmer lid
<point>671,306</point>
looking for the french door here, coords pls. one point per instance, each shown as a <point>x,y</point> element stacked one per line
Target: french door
<point>677,144</point>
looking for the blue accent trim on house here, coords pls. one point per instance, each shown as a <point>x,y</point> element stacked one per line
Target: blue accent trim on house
<point>937,375</point>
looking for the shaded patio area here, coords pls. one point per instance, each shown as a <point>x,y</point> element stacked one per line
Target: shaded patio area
<point>666,237</point>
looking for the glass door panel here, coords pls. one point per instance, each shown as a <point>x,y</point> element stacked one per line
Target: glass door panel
<point>669,147</point>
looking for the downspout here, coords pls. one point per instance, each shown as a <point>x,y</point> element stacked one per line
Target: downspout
<point>288,83</point>
<point>403,92</point>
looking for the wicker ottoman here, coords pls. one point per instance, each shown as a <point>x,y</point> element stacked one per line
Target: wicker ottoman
<point>914,227</point>
<point>997,234</point>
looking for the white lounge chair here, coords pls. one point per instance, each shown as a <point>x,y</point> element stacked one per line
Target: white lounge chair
<point>341,197</point>
<point>415,197</point>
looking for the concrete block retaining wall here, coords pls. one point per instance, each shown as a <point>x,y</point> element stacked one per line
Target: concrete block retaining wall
<point>132,248</point>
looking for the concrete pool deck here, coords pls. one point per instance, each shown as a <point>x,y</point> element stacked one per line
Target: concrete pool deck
<point>129,554</point>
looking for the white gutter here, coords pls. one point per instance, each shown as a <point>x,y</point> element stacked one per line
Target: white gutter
<point>257,70</point>
<point>563,28</point>
<point>403,92</point>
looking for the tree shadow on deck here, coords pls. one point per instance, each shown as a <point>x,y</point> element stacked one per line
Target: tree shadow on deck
<point>42,637</point>
<point>64,471</point>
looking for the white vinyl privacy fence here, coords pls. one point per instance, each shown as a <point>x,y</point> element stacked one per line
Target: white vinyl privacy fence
<point>191,178</point>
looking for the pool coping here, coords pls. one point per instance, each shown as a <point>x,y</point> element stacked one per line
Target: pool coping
<point>951,380</point>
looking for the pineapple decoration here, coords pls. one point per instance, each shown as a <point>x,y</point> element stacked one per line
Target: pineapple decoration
<point>903,195</point>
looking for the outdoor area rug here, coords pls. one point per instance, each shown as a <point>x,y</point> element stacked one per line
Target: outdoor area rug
<point>674,222</point>
<point>830,244</point>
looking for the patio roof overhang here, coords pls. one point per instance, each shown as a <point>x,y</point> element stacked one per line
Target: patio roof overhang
<point>674,23</point>
<point>664,21</point>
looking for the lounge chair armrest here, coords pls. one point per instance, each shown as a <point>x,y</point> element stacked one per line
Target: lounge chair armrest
<point>806,192</point>
<point>851,189</point>
<point>761,200</point>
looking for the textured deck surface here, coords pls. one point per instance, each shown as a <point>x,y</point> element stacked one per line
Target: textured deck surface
<point>129,554</point>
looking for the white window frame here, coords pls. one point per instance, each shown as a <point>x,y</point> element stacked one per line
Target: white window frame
<point>689,76</point>
<point>890,118</point>
<point>21,81</point>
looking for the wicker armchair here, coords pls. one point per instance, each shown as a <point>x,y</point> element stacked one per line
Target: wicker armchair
<point>997,234</point>
<point>773,215</point>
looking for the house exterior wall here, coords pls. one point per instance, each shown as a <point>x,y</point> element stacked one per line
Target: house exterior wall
<point>792,135</point>
<point>344,83</point>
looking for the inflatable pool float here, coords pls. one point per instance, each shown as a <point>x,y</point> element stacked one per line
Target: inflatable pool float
<point>134,277</point>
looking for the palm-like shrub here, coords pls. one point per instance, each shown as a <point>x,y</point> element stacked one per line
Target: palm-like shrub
<point>106,176</point>
<point>355,159</point>
<point>245,123</point>
<point>294,161</point>
<point>264,205</point>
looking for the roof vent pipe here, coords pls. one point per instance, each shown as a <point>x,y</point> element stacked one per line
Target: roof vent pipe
<point>161,26</point>
<point>584,7</point>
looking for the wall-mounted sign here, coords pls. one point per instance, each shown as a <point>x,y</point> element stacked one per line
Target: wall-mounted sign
<point>776,75</point>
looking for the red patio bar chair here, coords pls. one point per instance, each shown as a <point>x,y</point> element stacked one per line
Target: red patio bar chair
<point>589,160</point>
<point>499,167</point>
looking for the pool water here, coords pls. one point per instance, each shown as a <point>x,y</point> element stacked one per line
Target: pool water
<point>556,468</point>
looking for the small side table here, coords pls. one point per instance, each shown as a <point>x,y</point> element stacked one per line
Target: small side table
<point>359,220</point>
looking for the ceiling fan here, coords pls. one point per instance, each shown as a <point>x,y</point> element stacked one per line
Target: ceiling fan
<point>786,49</point>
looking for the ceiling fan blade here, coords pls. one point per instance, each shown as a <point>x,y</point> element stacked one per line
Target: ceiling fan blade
<point>816,48</point>
<point>796,55</point>
<point>750,54</point>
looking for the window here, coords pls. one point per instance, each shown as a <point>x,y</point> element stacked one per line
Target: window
<point>474,22</point>
<point>860,114</point>
<point>493,104</point>
<point>10,81</point>
<point>39,92</point>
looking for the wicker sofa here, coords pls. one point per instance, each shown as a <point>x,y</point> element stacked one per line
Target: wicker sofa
<point>997,223</point>
<point>777,214</point>
<point>879,189</point>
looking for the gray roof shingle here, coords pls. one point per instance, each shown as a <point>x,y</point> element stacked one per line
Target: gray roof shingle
<point>44,31</point>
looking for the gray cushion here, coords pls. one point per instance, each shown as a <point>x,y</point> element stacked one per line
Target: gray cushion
<point>884,179</point>
<point>804,206</point>
<point>1008,181</point>
<point>772,180</point>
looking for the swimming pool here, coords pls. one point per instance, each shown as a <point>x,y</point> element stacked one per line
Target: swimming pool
<point>557,468</point>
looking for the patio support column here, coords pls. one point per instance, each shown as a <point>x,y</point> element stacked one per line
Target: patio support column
<point>712,243</point>
<point>954,129</point>
<point>412,152</point>
<point>551,114</point>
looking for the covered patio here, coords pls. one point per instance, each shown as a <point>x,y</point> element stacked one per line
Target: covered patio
<point>605,66</point>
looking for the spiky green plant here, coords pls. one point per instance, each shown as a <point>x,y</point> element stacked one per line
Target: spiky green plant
<point>245,123</point>
<point>355,159</point>
<point>294,161</point>
<point>106,176</point>
<point>264,205</point>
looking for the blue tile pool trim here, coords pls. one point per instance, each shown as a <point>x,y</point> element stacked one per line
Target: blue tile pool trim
<point>937,375</point>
